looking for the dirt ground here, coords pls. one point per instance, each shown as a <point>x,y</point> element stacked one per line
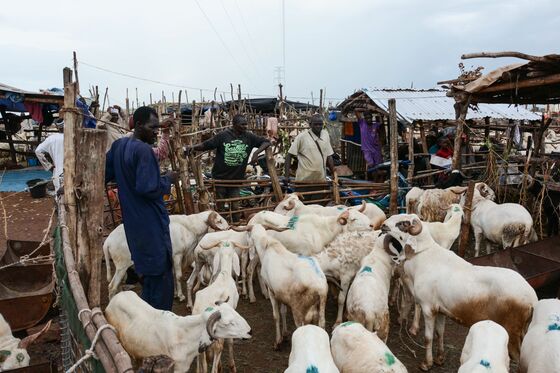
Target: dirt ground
<point>27,219</point>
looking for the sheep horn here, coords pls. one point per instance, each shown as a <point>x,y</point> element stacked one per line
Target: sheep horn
<point>211,221</point>
<point>343,218</point>
<point>218,302</point>
<point>299,196</point>
<point>415,227</point>
<point>291,205</point>
<point>386,243</point>
<point>239,246</point>
<point>212,320</point>
<point>213,245</point>
<point>31,338</point>
<point>363,207</point>
<point>277,229</point>
<point>458,190</point>
<point>239,229</point>
<point>333,281</point>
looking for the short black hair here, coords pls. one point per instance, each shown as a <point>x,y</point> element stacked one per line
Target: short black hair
<point>316,118</point>
<point>238,118</point>
<point>143,114</point>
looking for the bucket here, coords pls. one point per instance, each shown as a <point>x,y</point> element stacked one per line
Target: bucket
<point>37,187</point>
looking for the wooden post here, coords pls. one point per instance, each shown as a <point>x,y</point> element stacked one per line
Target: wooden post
<point>336,194</point>
<point>411,153</point>
<point>71,122</point>
<point>461,109</point>
<point>276,188</point>
<point>76,71</point>
<point>393,208</point>
<point>321,101</point>
<point>89,188</point>
<point>183,165</point>
<point>425,149</point>
<point>466,224</point>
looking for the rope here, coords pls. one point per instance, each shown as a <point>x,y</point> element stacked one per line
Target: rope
<point>89,353</point>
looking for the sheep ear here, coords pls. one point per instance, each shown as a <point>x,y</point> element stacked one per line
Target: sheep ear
<point>235,265</point>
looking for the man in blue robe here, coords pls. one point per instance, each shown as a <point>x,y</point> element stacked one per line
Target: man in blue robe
<point>132,164</point>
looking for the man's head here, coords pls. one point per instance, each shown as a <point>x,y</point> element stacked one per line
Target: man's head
<point>368,117</point>
<point>239,123</point>
<point>114,114</point>
<point>146,124</point>
<point>316,124</point>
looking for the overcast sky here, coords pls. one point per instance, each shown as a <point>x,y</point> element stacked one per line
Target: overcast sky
<point>333,44</point>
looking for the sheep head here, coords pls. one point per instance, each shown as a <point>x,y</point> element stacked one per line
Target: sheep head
<point>401,235</point>
<point>217,222</point>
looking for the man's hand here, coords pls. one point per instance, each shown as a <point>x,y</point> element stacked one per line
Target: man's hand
<point>254,159</point>
<point>173,175</point>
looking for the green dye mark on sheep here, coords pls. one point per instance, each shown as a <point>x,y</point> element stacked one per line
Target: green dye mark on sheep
<point>340,208</point>
<point>554,327</point>
<point>20,357</point>
<point>312,369</point>
<point>366,269</point>
<point>226,244</point>
<point>209,309</point>
<point>456,209</point>
<point>292,222</point>
<point>485,363</point>
<point>348,323</point>
<point>389,358</point>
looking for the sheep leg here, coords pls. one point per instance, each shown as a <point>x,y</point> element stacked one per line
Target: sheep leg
<point>250,273</point>
<point>190,284</point>
<point>429,323</point>
<point>341,300</point>
<point>276,316</point>
<point>116,281</point>
<point>322,306</point>
<point>283,313</point>
<point>488,247</point>
<point>478,237</point>
<point>231,361</point>
<point>177,259</point>
<point>202,366</point>
<point>416,320</point>
<point>244,260</point>
<point>219,347</point>
<point>440,329</point>
<point>262,284</point>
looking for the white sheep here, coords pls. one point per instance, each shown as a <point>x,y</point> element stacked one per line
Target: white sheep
<point>311,351</point>
<point>222,289</point>
<point>368,297</point>
<point>204,258</point>
<point>185,232</point>
<point>412,198</point>
<point>431,202</point>
<point>341,260</point>
<point>357,350</point>
<point>540,350</point>
<point>13,351</point>
<point>485,349</point>
<point>506,224</point>
<point>447,232</point>
<point>292,280</point>
<point>437,278</point>
<point>145,331</point>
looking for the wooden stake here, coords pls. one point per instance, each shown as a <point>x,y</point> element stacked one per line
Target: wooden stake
<point>137,104</point>
<point>76,73</point>
<point>393,206</point>
<point>461,114</point>
<point>336,193</point>
<point>150,98</point>
<point>105,96</point>
<point>466,224</point>
<point>321,100</point>
<point>411,153</point>
<point>425,147</point>
<point>276,188</point>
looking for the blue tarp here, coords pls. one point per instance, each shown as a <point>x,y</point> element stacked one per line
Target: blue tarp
<point>15,180</point>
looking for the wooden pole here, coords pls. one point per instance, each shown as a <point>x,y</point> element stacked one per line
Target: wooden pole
<point>71,122</point>
<point>76,72</point>
<point>321,100</point>
<point>183,165</point>
<point>277,189</point>
<point>393,209</point>
<point>461,110</point>
<point>104,98</point>
<point>150,98</point>
<point>411,153</point>
<point>466,224</point>
<point>336,193</point>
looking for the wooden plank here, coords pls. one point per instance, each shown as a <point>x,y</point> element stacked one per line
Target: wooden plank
<point>466,224</point>
<point>394,156</point>
<point>273,175</point>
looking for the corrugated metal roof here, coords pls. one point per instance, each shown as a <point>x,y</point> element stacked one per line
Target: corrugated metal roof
<point>435,105</point>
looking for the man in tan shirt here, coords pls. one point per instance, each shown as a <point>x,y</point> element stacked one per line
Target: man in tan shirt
<point>313,151</point>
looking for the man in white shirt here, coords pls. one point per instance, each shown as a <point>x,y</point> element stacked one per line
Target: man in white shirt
<point>54,147</point>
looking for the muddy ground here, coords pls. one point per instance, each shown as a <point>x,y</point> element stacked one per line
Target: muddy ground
<point>28,219</point>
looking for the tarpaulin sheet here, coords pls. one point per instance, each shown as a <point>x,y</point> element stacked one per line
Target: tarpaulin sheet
<point>15,180</point>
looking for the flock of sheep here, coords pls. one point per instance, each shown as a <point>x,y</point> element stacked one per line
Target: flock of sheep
<point>371,259</point>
